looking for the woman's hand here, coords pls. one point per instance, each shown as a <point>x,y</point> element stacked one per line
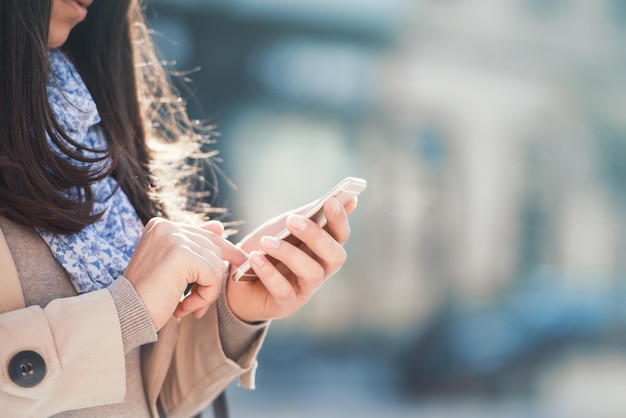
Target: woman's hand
<point>282,290</point>
<point>170,256</point>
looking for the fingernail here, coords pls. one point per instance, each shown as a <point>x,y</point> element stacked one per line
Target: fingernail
<point>335,206</point>
<point>297,222</point>
<point>257,259</point>
<point>270,243</point>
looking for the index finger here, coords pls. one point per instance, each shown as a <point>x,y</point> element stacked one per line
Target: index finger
<point>230,252</point>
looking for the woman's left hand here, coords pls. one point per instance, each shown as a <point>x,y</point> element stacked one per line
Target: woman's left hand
<point>281,290</point>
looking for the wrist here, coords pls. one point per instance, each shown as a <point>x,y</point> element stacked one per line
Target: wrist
<point>226,307</point>
<point>135,322</point>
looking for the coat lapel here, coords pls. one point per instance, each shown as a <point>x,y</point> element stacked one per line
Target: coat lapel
<point>11,296</point>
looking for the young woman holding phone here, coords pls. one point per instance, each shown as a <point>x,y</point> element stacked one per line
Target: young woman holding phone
<point>94,151</point>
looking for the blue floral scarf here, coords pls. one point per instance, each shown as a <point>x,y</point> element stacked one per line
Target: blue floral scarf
<point>98,254</point>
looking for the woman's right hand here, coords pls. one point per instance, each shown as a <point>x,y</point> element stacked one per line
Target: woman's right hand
<point>169,256</point>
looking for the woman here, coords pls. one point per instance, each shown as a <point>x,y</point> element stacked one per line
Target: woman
<point>88,127</point>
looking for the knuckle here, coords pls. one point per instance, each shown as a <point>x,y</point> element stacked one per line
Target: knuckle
<point>342,255</point>
<point>317,272</point>
<point>209,293</point>
<point>177,254</point>
<point>315,233</point>
<point>162,227</point>
<point>338,260</point>
<point>283,297</point>
<point>154,222</point>
<point>347,233</point>
<point>170,240</point>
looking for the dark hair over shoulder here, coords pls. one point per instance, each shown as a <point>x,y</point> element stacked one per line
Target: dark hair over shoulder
<point>114,54</point>
<point>32,177</point>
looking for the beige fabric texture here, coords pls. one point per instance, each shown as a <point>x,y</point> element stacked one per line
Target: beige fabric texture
<point>97,346</point>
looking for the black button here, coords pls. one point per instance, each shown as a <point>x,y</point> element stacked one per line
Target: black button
<point>27,368</point>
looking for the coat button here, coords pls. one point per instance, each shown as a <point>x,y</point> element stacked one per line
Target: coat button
<point>27,368</point>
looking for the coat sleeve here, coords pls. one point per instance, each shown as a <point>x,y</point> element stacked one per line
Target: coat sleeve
<point>200,369</point>
<point>69,355</point>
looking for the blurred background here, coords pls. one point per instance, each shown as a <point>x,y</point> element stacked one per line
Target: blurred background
<point>487,265</point>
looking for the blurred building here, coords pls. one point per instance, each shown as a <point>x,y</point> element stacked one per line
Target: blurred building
<point>470,121</point>
<point>489,244</point>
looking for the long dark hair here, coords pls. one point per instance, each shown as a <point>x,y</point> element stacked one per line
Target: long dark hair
<point>114,54</point>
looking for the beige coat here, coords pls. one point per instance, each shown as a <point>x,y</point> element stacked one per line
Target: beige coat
<point>79,339</point>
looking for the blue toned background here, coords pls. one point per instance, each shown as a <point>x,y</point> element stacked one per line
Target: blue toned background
<point>487,263</point>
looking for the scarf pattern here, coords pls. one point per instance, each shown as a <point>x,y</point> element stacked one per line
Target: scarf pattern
<point>98,254</point>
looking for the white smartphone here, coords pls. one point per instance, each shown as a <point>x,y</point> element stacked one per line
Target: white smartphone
<point>345,190</point>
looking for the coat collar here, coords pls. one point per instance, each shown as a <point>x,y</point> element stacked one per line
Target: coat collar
<point>11,297</point>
